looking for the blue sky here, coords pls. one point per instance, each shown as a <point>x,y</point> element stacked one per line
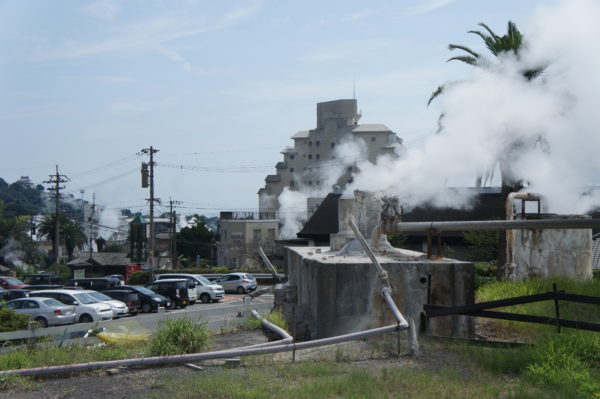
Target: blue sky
<point>216,85</point>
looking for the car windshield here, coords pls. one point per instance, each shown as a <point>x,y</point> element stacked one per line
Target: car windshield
<point>203,279</point>
<point>249,276</point>
<point>84,298</point>
<point>145,291</point>
<point>52,302</point>
<point>99,296</point>
<point>13,281</point>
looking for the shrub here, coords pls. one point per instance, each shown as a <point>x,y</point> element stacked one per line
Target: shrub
<point>140,277</point>
<point>12,321</point>
<point>276,317</point>
<point>179,336</point>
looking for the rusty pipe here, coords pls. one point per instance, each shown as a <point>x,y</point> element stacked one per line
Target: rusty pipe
<point>495,225</point>
<point>194,357</point>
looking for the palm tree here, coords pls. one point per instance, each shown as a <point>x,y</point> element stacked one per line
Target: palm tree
<point>511,42</point>
<point>70,232</point>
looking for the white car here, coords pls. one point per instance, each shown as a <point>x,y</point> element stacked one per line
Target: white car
<point>205,289</point>
<point>119,308</point>
<point>87,308</point>
<point>46,311</point>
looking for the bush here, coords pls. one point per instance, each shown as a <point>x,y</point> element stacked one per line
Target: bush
<point>140,278</point>
<point>276,317</point>
<point>179,336</point>
<point>12,321</point>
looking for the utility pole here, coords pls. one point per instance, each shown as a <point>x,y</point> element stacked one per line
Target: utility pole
<point>151,151</point>
<point>92,222</point>
<point>57,179</point>
<point>173,217</point>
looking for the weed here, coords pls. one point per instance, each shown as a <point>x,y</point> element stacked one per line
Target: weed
<point>178,336</point>
<point>276,317</point>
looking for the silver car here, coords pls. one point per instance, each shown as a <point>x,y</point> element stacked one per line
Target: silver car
<point>46,311</point>
<point>237,282</point>
<point>88,308</point>
<point>119,308</point>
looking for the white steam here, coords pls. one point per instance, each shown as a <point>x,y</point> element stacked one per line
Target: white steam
<point>497,107</point>
<point>325,175</point>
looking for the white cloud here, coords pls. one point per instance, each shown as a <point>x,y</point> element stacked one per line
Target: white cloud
<point>103,9</point>
<point>429,6</point>
<point>176,57</point>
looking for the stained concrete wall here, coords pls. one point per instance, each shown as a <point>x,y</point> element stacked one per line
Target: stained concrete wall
<point>328,295</point>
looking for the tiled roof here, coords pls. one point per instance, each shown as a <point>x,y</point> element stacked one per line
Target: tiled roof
<point>302,134</point>
<point>371,128</point>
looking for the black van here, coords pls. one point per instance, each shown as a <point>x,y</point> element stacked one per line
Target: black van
<point>41,279</point>
<point>94,283</point>
<point>174,289</point>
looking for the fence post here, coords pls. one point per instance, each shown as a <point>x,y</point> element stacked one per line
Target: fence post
<point>556,308</point>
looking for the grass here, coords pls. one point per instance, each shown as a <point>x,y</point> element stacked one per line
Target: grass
<point>568,310</point>
<point>179,336</point>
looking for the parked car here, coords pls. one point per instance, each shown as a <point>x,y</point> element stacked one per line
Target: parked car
<point>238,282</point>
<point>205,289</point>
<point>191,285</point>
<point>119,277</point>
<point>129,298</point>
<point>8,282</point>
<point>17,294</point>
<point>94,283</point>
<point>41,279</point>
<point>119,308</point>
<point>88,308</point>
<point>174,289</point>
<point>46,311</point>
<point>150,300</point>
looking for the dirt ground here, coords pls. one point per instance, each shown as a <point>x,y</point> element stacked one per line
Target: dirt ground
<point>145,383</point>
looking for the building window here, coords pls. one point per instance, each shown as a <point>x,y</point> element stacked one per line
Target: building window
<point>271,233</point>
<point>292,156</point>
<point>237,234</point>
<point>257,234</point>
<point>372,139</point>
<point>349,168</point>
<point>318,156</point>
<point>317,143</point>
<point>332,145</point>
<point>310,182</point>
<point>318,182</point>
<point>310,143</point>
<point>309,156</point>
<point>291,170</point>
<point>292,184</point>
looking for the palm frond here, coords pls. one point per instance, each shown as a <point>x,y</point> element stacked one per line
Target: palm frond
<point>491,32</point>
<point>464,58</point>
<point>436,93</point>
<point>490,42</point>
<point>463,48</point>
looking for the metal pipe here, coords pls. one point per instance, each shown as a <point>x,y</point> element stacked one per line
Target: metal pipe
<point>282,333</point>
<point>496,225</point>
<point>194,357</point>
<point>392,305</point>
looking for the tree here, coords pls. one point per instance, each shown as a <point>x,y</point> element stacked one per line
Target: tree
<point>512,42</point>
<point>195,240</point>
<point>70,232</point>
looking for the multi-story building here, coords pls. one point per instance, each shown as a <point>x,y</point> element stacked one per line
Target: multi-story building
<point>241,233</point>
<point>316,152</point>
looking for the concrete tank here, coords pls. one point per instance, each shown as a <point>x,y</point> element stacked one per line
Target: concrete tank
<point>328,294</point>
<point>553,252</point>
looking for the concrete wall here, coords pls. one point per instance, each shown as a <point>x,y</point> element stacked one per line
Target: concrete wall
<point>332,295</point>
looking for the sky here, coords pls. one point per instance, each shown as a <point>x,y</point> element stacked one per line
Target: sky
<point>218,87</point>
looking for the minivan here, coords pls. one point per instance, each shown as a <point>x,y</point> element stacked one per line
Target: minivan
<point>205,290</point>
<point>174,289</point>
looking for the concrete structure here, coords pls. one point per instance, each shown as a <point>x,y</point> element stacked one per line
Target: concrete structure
<point>335,290</point>
<point>314,152</point>
<point>241,233</point>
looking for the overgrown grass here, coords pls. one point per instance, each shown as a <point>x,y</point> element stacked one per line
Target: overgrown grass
<point>568,310</point>
<point>179,336</point>
<point>349,380</point>
<point>275,317</point>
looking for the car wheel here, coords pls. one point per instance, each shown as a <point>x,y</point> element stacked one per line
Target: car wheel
<point>133,313</point>
<point>146,308</point>
<point>240,290</point>
<point>215,300</point>
<point>43,322</point>
<point>205,298</point>
<point>85,318</point>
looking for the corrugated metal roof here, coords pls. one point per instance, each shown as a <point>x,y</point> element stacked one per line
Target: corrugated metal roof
<point>596,254</point>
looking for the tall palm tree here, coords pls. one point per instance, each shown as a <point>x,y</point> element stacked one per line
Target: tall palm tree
<point>70,232</point>
<point>512,42</point>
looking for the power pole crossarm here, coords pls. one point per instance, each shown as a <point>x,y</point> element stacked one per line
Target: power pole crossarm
<point>56,180</point>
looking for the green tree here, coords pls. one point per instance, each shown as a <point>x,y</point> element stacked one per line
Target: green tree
<point>195,240</point>
<point>513,43</point>
<point>70,232</point>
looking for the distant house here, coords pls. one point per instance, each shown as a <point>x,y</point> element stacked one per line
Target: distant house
<point>103,264</point>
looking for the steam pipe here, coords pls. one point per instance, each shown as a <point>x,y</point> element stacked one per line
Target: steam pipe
<point>495,225</point>
<point>282,333</point>
<point>194,357</point>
